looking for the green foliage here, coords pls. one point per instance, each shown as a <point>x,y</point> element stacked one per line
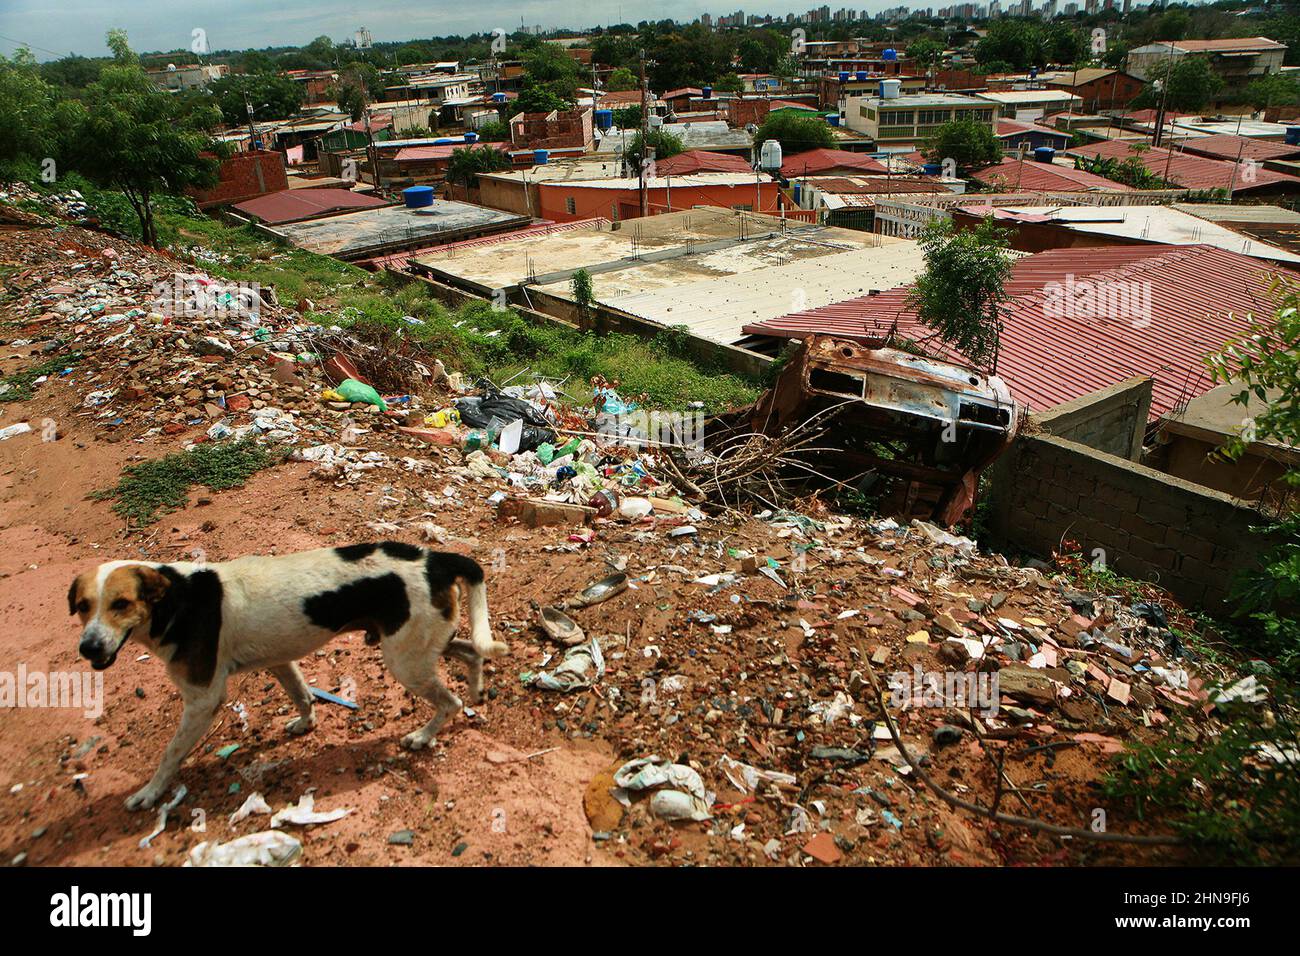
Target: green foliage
<point>926,52</point>
<point>1021,44</point>
<point>968,143</point>
<point>621,80</point>
<point>960,292</point>
<point>18,387</point>
<point>729,83</point>
<point>663,143</point>
<point>467,162</point>
<point>26,110</point>
<point>1130,171</point>
<point>494,132</point>
<point>131,136</point>
<point>1276,89</point>
<point>1213,787</point>
<point>271,96</point>
<point>550,80</point>
<point>795,133</point>
<point>539,99</point>
<point>1191,84</point>
<point>627,117</point>
<point>151,489</point>
<point>760,51</point>
<point>692,56</point>
<point>1263,367</point>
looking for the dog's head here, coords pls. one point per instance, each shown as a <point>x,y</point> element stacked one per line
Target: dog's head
<point>115,601</point>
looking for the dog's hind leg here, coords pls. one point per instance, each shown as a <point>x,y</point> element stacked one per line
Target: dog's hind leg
<point>414,662</point>
<point>295,686</point>
<point>201,706</point>
<point>464,651</point>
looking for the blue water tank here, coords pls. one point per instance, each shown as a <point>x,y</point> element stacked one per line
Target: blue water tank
<point>862,76</point>
<point>798,192</point>
<point>471,137</point>
<point>540,156</point>
<point>1033,72</point>
<point>1293,135</point>
<point>604,119</point>
<point>890,54</point>
<point>844,76</point>
<point>417,197</point>
<point>708,92</point>
<point>1044,154</point>
<point>931,169</point>
<point>833,119</point>
<point>498,97</point>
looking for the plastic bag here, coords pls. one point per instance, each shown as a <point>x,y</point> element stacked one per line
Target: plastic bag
<point>353,391</point>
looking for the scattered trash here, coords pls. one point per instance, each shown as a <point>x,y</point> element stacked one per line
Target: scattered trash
<point>304,813</point>
<point>268,848</point>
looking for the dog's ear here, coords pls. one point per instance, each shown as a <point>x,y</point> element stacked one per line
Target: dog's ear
<point>154,584</point>
<point>74,594</point>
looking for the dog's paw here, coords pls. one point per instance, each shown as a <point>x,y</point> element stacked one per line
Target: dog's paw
<point>416,740</point>
<point>300,725</point>
<point>142,799</point>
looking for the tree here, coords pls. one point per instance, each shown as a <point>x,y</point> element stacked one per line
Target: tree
<point>761,50</point>
<point>1263,366</point>
<point>968,143</point>
<point>71,72</point>
<point>117,42</point>
<point>1276,89</point>
<point>583,297</point>
<point>548,67</point>
<point>663,143</point>
<point>538,99</point>
<point>795,133</point>
<point>621,80</point>
<point>627,117</point>
<point>271,96</point>
<point>1191,84</point>
<point>960,292</point>
<point>925,52</point>
<point>131,136</point>
<point>466,164</point>
<point>693,56</point>
<point>494,131</point>
<point>26,109</point>
<point>730,83</point>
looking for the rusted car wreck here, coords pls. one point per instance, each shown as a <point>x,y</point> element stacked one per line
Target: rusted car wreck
<point>909,432</point>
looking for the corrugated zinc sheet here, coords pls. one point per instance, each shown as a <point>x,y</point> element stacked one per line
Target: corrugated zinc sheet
<point>1188,171</point>
<point>819,160</point>
<point>1020,174</point>
<point>1230,147</point>
<point>294,205</point>
<point>1191,300</point>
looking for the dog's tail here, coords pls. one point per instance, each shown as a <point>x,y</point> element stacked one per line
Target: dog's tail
<point>470,573</point>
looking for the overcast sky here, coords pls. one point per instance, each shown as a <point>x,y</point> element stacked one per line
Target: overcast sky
<point>54,28</point>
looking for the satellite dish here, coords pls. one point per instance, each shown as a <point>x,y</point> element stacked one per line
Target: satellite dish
<point>171,67</point>
<point>751,129</point>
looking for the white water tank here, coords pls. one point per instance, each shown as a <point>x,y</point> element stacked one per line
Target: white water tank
<point>889,89</point>
<point>769,156</point>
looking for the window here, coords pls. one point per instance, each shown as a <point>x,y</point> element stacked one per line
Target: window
<point>896,118</point>
<point>570,206</point>
<point>746,207</point>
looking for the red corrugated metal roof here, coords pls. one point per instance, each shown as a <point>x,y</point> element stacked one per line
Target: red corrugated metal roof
<point>292,205</point>
<point>442,151</point>
<point>701,161</point>
<point>1018,174</point>
<point>1198,296</point>
<point>819,160</point>
<point>1188,171</point>
<point>1230,147</point>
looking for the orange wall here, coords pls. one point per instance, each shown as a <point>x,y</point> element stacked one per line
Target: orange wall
<point>590,202</point>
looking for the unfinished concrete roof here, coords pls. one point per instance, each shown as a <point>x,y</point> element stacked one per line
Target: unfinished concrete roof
<point>719,308</point>
<point>373,231</point>
<point>714,261</point>
<point>694,135</point>
<point>510,264</point>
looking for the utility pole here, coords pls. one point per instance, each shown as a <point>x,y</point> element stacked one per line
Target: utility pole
<point>645,133</point>
<point>252,133</point>
<point>370,138</point>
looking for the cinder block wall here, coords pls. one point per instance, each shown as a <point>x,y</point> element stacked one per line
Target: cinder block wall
<point>1188,539</point>
<point>1112,419</point>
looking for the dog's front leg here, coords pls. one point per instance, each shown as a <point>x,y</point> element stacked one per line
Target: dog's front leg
<point>201,706</point>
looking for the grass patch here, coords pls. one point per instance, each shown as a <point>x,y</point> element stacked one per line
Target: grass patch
<point>151,489</point>
<point>18,386</point>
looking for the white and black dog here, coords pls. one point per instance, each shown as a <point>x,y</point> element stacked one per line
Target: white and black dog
<point>209,621</point>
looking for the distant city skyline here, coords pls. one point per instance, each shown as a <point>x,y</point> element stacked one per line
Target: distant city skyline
<point>55,29</point>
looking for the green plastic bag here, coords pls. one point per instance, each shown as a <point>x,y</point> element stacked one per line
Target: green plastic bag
<point>354,391</point>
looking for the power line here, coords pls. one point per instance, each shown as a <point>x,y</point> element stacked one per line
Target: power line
<point>31,46</point>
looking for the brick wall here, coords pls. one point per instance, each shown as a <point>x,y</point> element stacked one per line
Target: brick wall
<point>245,176</point>
<point>742,112</point>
